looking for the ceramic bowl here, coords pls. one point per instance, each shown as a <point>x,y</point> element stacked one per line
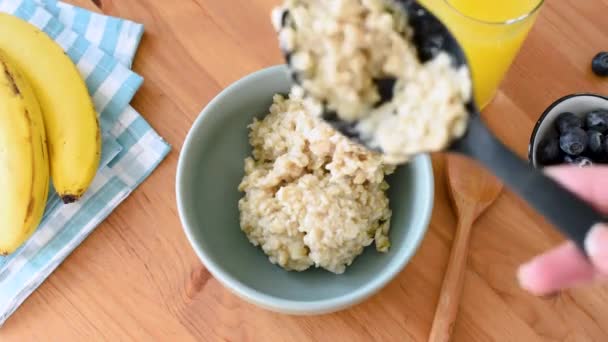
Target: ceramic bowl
<point>579,104</point>
<point>209,171</point>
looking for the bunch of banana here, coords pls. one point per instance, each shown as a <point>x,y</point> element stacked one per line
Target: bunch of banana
<point>70,120</point>
<point>41,93</point>
<point>24,163</point>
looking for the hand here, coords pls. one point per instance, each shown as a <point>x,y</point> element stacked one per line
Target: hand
<point>565,267</point>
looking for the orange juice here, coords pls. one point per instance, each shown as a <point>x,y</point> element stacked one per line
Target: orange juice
<point>491,33</point>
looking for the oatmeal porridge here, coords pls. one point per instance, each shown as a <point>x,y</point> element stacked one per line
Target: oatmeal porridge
<point>311,196</point>
<point>348,55</point>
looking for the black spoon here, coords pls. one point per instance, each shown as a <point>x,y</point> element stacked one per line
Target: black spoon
<point>572,216</point>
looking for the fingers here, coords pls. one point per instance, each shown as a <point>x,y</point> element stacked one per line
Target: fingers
<point>591,184</point>
<point>588,183</point>
<point>596,246</point>
<point>563,267</point>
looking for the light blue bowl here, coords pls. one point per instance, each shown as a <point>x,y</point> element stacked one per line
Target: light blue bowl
<point>209,171</point>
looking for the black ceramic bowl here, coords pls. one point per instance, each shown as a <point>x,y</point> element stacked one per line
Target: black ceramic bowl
<point>579,104</point>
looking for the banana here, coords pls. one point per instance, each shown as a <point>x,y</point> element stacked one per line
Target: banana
<point>74,138</point>
<point>24,164</point>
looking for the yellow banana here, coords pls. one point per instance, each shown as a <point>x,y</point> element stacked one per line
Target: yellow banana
<point>74,139</point>
<point>24,164</point>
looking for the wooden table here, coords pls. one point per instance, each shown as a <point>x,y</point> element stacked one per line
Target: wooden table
<point>136,277</point>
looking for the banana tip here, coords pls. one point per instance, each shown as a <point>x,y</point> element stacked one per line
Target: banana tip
<point>67,199</point>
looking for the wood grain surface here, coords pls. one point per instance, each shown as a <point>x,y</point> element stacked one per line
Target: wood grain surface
<point>136,278</point>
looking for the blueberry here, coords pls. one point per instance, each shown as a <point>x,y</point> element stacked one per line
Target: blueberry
<point>566,121</point>
<point>597,120</point>
<point>574,142</point>
<point>583,162</point>
<point>596,142</point>
<point>569,159</point>
<point>547,152</point>
<point>578,161</point>
<point>600,64</point>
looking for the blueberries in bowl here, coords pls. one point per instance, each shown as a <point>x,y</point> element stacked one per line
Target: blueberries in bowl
<point>575,139</point>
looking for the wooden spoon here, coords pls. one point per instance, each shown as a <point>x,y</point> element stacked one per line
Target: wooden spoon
<point>472,190</point>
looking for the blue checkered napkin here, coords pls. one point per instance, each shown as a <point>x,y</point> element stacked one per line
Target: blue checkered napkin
<point>117,37</point>
<point>131,148</point>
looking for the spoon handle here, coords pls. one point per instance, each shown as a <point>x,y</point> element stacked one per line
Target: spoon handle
<point>571,215</point>
<point>453,281</point>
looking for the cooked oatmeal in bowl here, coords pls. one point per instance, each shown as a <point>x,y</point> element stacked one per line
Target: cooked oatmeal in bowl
<point>312,197</point>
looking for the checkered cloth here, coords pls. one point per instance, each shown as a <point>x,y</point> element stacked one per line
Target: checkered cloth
<point>102,48</point>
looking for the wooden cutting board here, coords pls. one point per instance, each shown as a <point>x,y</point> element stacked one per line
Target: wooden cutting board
<point>136,278</point>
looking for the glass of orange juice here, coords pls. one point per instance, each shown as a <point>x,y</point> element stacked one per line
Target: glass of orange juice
<point>491,33</point>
